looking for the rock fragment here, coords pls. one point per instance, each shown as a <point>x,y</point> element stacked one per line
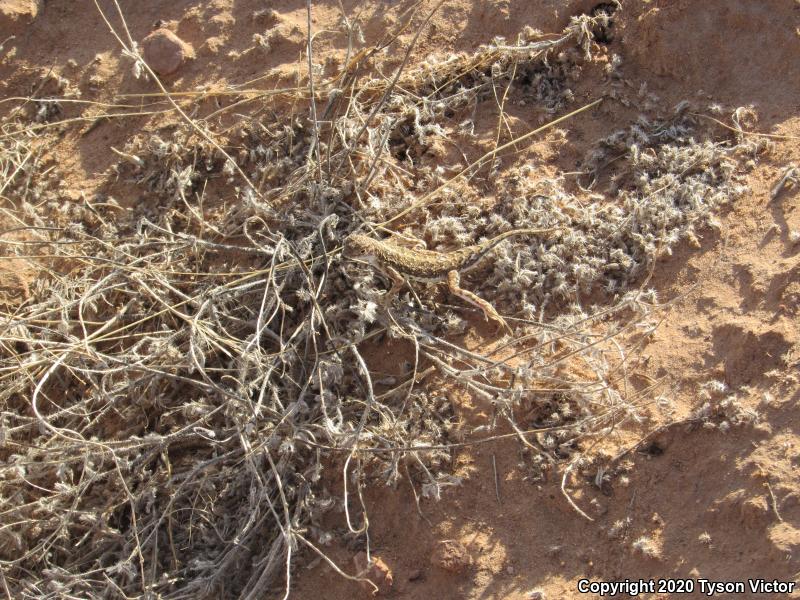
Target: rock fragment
<point>16,14</point>
<point>451,556</point>
<point>164,51</point>
<point>377,571</point>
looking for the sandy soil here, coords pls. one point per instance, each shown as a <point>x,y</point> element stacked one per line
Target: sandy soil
<point>721,504</point>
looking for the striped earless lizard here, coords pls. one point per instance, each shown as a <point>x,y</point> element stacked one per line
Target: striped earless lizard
<point>401,264</point>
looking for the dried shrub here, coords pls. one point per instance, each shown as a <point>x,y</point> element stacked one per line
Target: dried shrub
<point>176,404</point>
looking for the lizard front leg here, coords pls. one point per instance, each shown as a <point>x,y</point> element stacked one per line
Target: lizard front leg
<point>397,284</point>
<point>454,285</point>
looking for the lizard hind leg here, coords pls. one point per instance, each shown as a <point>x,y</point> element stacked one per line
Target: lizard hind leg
<point>454,285</point>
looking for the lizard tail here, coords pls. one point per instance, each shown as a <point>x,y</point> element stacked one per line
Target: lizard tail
<point>515,232</point>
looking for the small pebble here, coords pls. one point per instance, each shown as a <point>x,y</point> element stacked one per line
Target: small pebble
<point>377,571</point>
<point>452,556</point>
<point>164,51</point>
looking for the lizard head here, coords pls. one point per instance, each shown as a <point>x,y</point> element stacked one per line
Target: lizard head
<point>358,246</point>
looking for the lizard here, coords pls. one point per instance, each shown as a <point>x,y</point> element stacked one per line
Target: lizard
<point>401,264</point>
